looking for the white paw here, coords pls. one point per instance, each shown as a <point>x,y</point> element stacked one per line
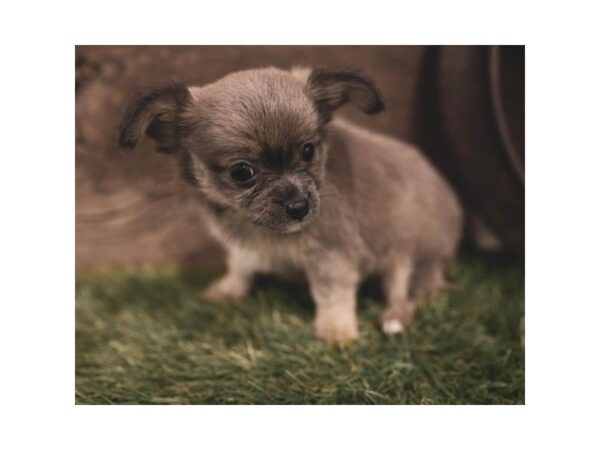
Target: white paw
<point>226,288</point>
<point>336,326</point>
<point>395,320</point>
<point>392,326</point>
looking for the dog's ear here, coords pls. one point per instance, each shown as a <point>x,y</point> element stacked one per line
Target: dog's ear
<point>156,112</point>
<point>331,88</point>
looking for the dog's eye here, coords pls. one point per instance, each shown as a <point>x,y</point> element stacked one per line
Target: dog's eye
<point>242,172</point>
<point>308,152</point>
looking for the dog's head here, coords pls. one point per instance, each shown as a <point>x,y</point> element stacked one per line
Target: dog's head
<point>252,142</point>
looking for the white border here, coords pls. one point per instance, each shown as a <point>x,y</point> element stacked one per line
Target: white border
<point>38,211</point>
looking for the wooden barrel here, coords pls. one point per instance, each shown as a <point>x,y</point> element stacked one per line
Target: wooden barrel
<point>471,123</point>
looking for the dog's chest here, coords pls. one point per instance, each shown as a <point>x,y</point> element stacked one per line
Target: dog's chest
<point>259,254</point>
<point>268,260</point>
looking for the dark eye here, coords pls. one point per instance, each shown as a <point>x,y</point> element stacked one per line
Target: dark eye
<point>308,152</point>
<point>242,172</point>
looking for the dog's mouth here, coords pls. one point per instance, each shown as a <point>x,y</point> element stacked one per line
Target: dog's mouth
<point>288,224</point>
<point>296,225</point>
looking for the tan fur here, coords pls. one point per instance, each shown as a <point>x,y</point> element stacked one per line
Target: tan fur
<point>377,206</point>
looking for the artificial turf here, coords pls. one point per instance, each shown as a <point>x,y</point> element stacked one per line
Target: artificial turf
<point>145,336</point>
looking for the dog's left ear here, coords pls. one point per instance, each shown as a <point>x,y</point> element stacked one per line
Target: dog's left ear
<point>331,88</point>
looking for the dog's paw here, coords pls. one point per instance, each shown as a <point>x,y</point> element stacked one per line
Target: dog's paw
<point>336,328</point>
<point>397,320</point>
<point>226,288</point>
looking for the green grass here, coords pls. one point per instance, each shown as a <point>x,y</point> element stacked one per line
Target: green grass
<point>145,337</point>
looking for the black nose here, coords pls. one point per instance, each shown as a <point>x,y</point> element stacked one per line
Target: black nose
<point>297,208</point>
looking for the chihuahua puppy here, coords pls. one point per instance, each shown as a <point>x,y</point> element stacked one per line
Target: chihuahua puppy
<point>289,189</point>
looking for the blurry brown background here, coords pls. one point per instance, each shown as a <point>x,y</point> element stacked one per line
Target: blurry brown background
<point>463,105</point>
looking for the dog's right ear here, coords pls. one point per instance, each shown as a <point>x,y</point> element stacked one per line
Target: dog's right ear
<point>155,112</point>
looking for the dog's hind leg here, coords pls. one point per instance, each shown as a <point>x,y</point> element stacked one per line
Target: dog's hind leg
<point>400,306</point>
<point>428,278</point>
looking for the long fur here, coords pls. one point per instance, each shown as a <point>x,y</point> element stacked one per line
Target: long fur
<point>376,205</point>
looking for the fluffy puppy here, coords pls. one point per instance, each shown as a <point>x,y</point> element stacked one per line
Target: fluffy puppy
<point>289,189</point>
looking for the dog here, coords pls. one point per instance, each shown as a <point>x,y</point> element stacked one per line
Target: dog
<point>288,188</point>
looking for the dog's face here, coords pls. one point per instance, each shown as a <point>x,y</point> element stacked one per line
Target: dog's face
<point>257,150</point>
<point>253,142</point>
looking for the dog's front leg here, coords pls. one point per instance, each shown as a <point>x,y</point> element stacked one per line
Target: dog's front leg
<point>236,283</point>
<point>333,285</point>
